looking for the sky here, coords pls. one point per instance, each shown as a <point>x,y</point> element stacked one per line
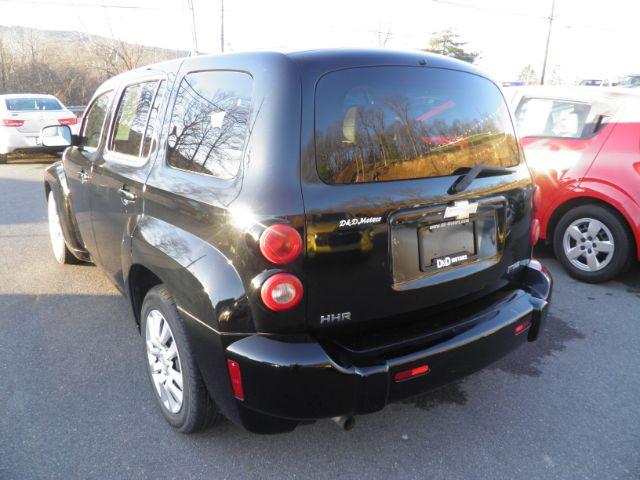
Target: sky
<point>590,38</point>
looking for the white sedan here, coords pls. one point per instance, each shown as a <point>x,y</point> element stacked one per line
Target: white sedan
<point>22,117</point>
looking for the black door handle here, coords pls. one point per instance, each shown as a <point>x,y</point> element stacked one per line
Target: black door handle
<point>126,196</point>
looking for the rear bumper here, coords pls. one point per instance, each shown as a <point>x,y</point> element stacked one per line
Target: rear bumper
<point>298,379</point>
<point>12,141</point>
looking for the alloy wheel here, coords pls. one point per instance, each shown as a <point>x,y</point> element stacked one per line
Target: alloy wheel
<point>588,244</point>
<point>164,361</point>
<point>55,230</point>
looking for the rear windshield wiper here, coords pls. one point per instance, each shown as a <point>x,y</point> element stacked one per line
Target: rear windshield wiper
<point>465,180</point>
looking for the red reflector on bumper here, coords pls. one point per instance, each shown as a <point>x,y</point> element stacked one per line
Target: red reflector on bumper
<point>522,327</point>
<point>535,231</point>
<point>414,372</point>
<point>236,379</point>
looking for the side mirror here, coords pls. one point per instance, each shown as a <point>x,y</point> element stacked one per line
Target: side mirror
<point>56,136</point>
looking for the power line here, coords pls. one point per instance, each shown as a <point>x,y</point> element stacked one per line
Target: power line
<point>70,4</point>
<point>492,10</point>
<point>536,17</point>
<point>106,16</point>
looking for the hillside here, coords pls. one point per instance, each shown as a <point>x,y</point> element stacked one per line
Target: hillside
<point>69,65</point>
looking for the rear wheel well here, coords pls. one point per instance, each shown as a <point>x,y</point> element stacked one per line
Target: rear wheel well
<point>577,202</point>
<point>141,280</point>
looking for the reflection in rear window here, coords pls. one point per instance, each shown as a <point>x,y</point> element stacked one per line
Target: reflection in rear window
<point>32,104</point>
<point>378,124</point>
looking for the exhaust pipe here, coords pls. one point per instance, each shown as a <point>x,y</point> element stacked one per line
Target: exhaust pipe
<point>345,422</point>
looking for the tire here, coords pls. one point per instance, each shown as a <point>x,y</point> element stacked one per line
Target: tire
<point>61,252</point>
<point>592,243</point>
<point>167,353</point>
<point>3,157</point>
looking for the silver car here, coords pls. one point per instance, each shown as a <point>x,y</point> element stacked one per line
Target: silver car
<point>22,117</point>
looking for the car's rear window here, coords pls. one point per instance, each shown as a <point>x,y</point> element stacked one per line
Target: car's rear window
<point>378,124</point>
<point>32,104</point>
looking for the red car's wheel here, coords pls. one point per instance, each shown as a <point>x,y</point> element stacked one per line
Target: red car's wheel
<point>592,243</point>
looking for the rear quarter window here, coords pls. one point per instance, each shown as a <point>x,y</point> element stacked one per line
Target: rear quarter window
<point>209,123</point>
<point>378,124</point>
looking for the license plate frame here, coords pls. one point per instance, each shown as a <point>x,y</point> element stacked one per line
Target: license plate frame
<point>447,244</point>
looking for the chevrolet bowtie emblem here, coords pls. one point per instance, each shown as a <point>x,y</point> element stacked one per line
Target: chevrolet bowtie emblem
<point>461,210</point>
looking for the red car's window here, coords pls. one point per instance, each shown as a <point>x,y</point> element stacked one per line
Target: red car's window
<point>543,117</point>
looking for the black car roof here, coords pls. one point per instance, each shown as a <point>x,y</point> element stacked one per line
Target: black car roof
<point>328,59</point>
<point>337,57</point>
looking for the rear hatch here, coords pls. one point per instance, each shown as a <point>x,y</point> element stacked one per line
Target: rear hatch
<point>397,218</point>
<point>36,112</point>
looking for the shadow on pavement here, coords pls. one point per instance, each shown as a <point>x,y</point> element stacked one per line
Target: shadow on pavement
<point>26,159</point>
<point>452,394</point>
<point>631,279</point>
<point>528,360</point>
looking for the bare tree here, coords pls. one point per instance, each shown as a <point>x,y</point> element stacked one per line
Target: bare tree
<point>68,65</point>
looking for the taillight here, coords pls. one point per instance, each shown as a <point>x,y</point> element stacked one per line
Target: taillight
<point>68,121</point>
<point>281,291</point>
<point>10,122</point>
<point>411,373</point>
<point>236,379</point>
<point>522,327</point>
<point>535,231</point>
<point>280,244</point>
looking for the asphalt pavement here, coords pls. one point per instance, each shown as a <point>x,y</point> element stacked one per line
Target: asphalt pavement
<point>75,402</point>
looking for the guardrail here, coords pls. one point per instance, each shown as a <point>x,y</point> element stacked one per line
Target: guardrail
<point>77,110</point>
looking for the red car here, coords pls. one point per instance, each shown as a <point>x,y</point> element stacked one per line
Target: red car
<point>583,147</point>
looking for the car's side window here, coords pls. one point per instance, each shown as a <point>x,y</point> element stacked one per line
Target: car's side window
<point>153,118</point>
<point>543,117</point>
<point>209,123</point>
<point>94,121</point>
<point>131,117</point>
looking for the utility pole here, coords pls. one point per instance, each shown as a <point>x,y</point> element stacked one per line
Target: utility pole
<point>546,49</point>
<point>222,26</point>
<point>194,47</point>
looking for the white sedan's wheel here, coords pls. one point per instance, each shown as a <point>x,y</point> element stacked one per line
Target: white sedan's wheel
<point>60,251</point>
<point>164,361</point>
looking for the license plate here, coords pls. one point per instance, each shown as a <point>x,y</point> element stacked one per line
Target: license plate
<point>447,244</point>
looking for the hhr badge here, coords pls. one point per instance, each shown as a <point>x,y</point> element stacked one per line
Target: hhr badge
<point>335,317</point>
<point>461,210</point>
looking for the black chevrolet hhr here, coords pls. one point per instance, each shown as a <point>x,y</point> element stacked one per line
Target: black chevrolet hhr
<point>306,235</point>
